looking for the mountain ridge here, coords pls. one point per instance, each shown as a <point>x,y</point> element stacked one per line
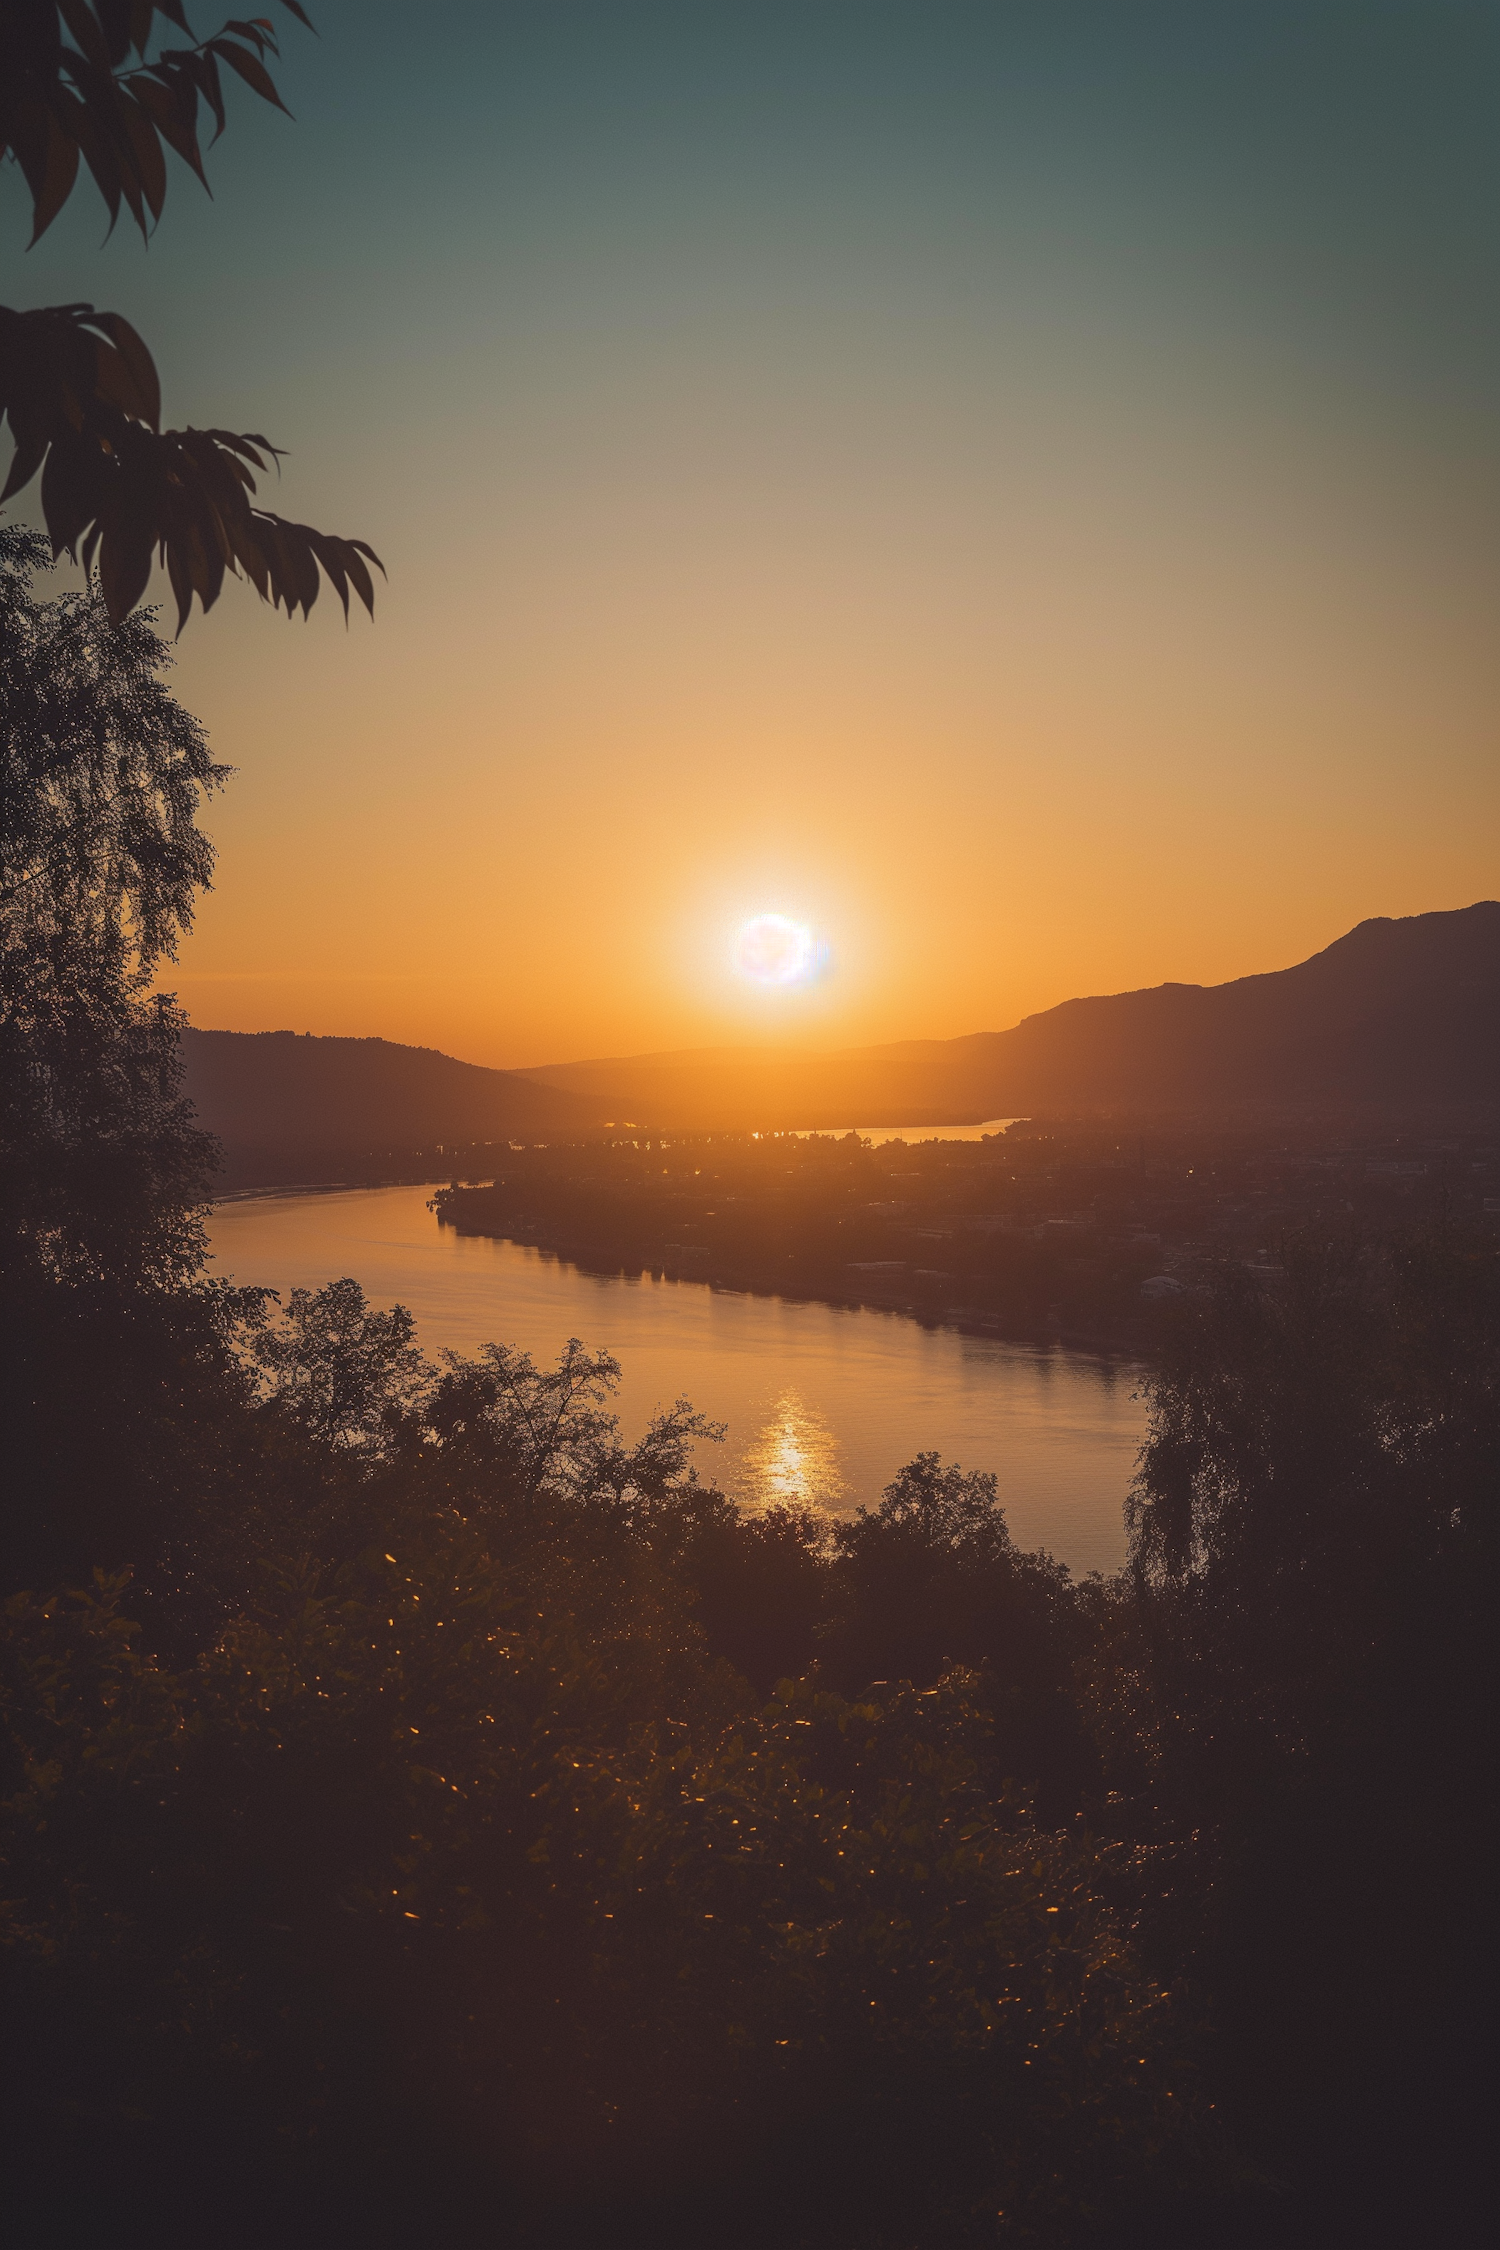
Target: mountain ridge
<point>1396,1009</point>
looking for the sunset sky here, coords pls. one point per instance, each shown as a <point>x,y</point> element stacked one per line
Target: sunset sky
<point>1011,487</point>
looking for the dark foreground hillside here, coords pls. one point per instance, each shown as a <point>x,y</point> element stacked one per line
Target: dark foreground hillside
<point>445,1820</point>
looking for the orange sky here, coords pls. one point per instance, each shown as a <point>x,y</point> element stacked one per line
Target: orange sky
<point>992,503</point>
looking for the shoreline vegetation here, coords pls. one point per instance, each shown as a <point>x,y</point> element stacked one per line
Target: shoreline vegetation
<point>1071,1232</point>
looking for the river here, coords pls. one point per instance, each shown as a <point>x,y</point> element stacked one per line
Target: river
<point>822,1402</point>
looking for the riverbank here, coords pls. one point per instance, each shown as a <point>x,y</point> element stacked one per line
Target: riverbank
<point>923,1304</point>
<point>1078,1233</point>
<point>325,1187</point>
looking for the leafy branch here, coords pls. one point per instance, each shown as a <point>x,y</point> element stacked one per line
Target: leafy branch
<point>81,393</point>
<point>62,102</point>
<point>78,387</point>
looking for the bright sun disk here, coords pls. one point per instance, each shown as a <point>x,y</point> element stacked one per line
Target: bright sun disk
<point>773,949</point>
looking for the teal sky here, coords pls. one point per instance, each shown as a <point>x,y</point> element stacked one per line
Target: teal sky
<point>1015,485</point>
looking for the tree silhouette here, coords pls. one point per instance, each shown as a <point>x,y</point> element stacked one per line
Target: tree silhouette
<point>79,82</point>
<point>100,864</point>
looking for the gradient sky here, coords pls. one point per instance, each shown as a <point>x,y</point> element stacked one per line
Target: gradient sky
<point>1012,485</point>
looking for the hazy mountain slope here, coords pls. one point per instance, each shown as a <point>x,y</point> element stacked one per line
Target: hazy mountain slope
<point>1396,1011</point>
<point>279,1098</point>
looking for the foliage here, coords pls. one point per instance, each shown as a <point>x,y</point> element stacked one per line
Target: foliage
<point>103,1174</point>
<point>130,1444</point>
<point>511,1835</point>
<point>1298,1681</point>
<point>79,387</point>
<point>103,1170</point>
<point>339,1368</point>
<point>104,775</point>
<point>763,1587</point>
<point>90,99</point>
<point>438,1840</point>
<point>441,1816</point>
<point>931,1579</point>
<point>406,1858</point>
<point>83,400</point>
<point>1318,1453</point>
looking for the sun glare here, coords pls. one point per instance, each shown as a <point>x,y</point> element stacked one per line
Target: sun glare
<point>794,1462</point>
<point>773,949</point>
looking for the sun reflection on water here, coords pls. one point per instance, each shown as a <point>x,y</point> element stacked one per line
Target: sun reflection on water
<point>794,1460</point>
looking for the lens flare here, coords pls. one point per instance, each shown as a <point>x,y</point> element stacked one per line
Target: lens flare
<point>773,949</point>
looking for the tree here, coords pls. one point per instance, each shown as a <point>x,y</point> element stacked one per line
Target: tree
<point>343,1370</point>
<point>101,860</point>
<point>931,1580</point>
<point>1304,1645</point>
<point>422,1902</point>
<point>111,1346</point>
<point>79,80</point>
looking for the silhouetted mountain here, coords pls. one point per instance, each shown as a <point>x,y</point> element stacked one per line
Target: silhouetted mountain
<point>1395,1013</point>
<point>289,1106</point>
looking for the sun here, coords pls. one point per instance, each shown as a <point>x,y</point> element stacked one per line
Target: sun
<point>773,949</point>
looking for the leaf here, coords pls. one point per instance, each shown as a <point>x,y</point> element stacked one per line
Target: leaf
<point>251,69</point>
<point>151,167</point>
<point>28,129</point>
<point>145,400</point>
<point>116,119</point>
<point>124,567</point>
<point>99,158</point>
<point>80,391</point>
<point>258,33</point>
<point>25,461</point>
<point>206,71</point>
<point>115,23</point>
<point>69,492</point>
<point>57,181</point>
<point>173,110</point>
<point>84,27</point>
<point>180,571</point>
<point>359,577</point>
<point>130,190</point>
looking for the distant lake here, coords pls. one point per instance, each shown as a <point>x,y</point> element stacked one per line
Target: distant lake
<point>823,1403</point>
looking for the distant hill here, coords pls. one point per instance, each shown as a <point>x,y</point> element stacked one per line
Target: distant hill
<point>289,1106</point>
<point>1396,1013</point>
